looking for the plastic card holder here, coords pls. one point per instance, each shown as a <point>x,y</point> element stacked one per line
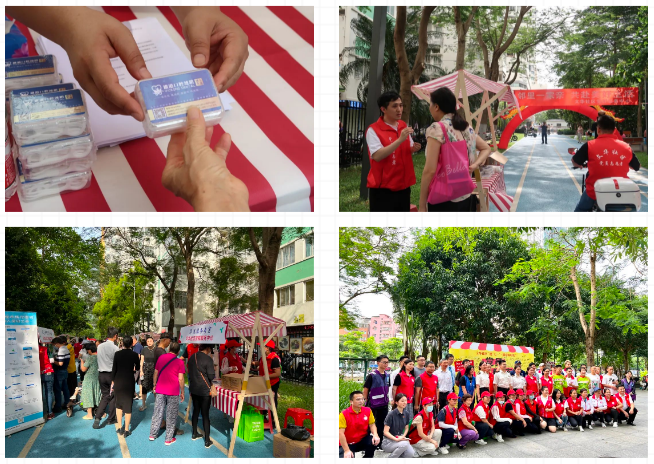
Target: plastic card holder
<point>60,168</point>
<point>48,117</point>
<point>30,71</point>
<point>30,190</point>
<point>165,101</point>
<point>43,89</point>
<point>48,153</point>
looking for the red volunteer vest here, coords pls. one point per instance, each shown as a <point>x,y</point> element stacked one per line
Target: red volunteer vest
<point>357,424</point>
<point>395,172</point>
<point>547,383</point>
<point>469,417</point>
<point>486,409</point>
<point>407,385</point>
<point>626,401</point>
<point>269,359</point>
<point>611,403</point>
<point>607,157</point>
<point>427,419</point>
<point>532,383</point>
<point>547,405</point>
<point>559,408</point>
<point>429,385</point>
<point>519,407</point>
<point>575,405</point>
<point>235,361</point>
<point>450,416</point>
<point>533,406</point>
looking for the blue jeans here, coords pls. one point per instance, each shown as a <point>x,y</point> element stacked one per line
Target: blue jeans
<point>585,204</point>
<point>563,421</point>
<point>61,387</point>
<point>47,381</point>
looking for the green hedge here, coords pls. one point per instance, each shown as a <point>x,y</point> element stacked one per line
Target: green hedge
<point>345,387</point>
<point>567,131</point>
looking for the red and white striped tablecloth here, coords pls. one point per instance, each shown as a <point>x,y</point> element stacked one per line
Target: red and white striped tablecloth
<point>497,191</point>
<point>227,401</point>
<point>271,124</point>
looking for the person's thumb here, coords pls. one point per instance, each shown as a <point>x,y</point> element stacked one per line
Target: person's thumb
<point>222,147</point>
<point>126,48</point>
<point>195,129</point>
<point>198,42</point>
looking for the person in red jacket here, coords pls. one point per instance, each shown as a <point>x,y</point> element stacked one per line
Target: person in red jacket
<point>356,429</point>
<point>405,383</point>
<point>274,368</point>
<point>546,409</point>
<point>606,157</point>
<point>232,362</point>
<point>47,378</point>
<point>390,150</point>
<point>426,384</point>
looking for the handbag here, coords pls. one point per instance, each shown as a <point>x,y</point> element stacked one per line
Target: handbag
<point>452,179</point>
<point>295,432</point>
<point>213,391</point>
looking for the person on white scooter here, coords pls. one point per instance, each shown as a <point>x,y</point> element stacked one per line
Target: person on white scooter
<point>606,157</point>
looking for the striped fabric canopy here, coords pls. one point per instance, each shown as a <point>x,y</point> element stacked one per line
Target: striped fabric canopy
<point>474,85</point>
<point>245,323</point>
<point>271,123</point>
<point>491,347</point>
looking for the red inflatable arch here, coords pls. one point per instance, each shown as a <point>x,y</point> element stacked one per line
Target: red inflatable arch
<point>531,110</point>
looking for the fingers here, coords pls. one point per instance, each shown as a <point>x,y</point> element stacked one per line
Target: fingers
<point>234,54</point>
<point>222,147</point>
<point>196,132</point>
<point>123,42</point>
<point>105,79</point>
<point>198,41</point>
<point>87,83</point>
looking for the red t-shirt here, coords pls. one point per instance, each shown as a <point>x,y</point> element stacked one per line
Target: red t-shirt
<point>44,360</point>
<point>76,348</point>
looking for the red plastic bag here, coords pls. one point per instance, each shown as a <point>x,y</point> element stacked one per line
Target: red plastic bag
<point>452,179</point>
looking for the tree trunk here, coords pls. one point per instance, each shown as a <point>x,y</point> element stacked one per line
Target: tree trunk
<point>267,258</point>
<point>440,348</point>
<point>639,117</point>
<point>170,294</point>
<point>190,289</point>
<point>461,34</point>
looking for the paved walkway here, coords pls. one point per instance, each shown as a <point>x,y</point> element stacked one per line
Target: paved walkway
<point>64,437</point>
<point>624,441</point>
<point>541,179</point>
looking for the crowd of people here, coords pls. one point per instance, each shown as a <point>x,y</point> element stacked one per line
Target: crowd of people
<point>433,407</point>
<point>118,371</point>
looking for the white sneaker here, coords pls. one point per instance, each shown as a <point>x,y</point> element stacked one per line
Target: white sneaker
<point>481,442</point>
<point>603,425</point>
<point>499,439</point>
<point>565,429</point>
<point>590,426</point>
<point>615,425</point>
<point>581,429</point>
<point>435,452</point>
<point>443,450</point>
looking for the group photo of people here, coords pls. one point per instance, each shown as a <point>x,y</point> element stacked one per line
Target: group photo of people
<point>422,409</point>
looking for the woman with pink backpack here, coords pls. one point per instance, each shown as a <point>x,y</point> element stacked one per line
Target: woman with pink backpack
<point>451,153</point>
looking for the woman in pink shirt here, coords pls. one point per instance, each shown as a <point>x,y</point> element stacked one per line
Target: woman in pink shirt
<point>169,392</point>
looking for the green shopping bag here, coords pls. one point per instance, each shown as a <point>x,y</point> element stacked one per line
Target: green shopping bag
<point>253,427</point>
<point>247,409</point>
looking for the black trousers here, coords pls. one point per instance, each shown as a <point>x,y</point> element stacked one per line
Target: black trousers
<point>517,427</point>
<point>533,425</point>
<point>380,416</point>
<point>544,138</point>
<point>447,436</point>
<point>622,417</point>
<point>72,383</point>
<point>201,404</point>
<point>442,399</point>
<point>386,200</point>
<point>504,429</point>
<point>610,415</point>
<point>464,206</point>
<point>484,429</point>
<point>574,420</point>
<point>587,420</point>
<point>275,389</point>
<point>108,398</point>
<point>81,372</point>
<point>364,445</point>
<point>598,417</point>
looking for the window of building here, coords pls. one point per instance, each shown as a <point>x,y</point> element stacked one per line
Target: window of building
<point>286,256</point>
<point>309,289</point>
<point>285,296</point>
<point>308,246</point>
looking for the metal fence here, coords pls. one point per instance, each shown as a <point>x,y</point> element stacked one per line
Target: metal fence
<point>351,115</point>
<point>357,369</point>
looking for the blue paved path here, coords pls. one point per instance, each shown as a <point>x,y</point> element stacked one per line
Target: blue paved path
<point>72,437</point>
<point>548,185</point>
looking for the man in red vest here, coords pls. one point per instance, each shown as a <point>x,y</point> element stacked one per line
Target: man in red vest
<point>390,150</point>
<point>426,384</point>
<point>606,157</point>
<point>274,368</point>
<point>628,411</point>
<point>356,429</point>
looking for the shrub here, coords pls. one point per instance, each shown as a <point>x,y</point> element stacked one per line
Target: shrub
<point>345,387</point>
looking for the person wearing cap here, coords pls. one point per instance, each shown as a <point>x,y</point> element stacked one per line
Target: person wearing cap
<point>356,429</point>
<point>448,421</point>
<point>531,407</point>
<point>232,363</point>
<point>468,430</point>
<point>274,368</point>
<point>481,416</point>
<point>546,409</point>
<point>518,423</point>
<point>396,428</point>
<point>521,410</point>
<point>502,379</point>
<point>423,435</point>
<point>516,364</point>
<point>599,407</point>
<point>501,417</point>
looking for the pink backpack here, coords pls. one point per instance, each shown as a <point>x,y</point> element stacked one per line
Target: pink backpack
<point>452,179</point>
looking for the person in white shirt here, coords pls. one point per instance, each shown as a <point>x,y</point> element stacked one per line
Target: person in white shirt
<point>610,380</point>
<point>595,380</point>
<point>393,375</point>
<point>483,426</point>
<point>567,364</point>
<point>518,381</point>
<point>599,407</point>
<point>450,367</point>
<point>628,411</point>
<point>587,410</point>
<point>445,383</point>
<point>483,379</point>
<point>502,380</point>
<point>539,371</point>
